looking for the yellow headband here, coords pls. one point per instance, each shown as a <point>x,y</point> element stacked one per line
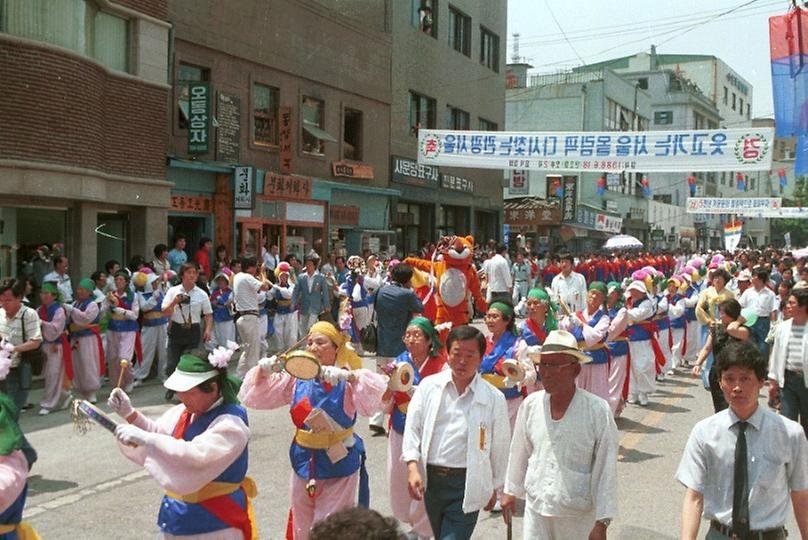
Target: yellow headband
<point>346,356</point>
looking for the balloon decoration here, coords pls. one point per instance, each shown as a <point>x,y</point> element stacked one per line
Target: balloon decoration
<point>601,186</point>
<point>691,182</point>
<point>740,180</point>
<point>783,179</point>
<point>646,187</point>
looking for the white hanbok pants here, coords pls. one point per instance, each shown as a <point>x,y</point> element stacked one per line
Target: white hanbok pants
<point>154,341</point>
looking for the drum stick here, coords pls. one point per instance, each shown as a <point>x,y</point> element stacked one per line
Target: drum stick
<point>564,307</point>
<point>124,363</point>
<point>294,346</point>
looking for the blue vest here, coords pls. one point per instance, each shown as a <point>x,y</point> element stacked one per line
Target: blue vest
<point>181,518</point>
<point>678,322</point>
<point>331,403</point>
<point>157,321</point>
<point>398,418</point>
<point>81,305</point>
<point>283,305</point>
<point>125,325</point>
<point>13,514</point>
<point>221,313</point>
<point>528,336</point>
<point>690,313</point>
<point>349,287</point>
<point>636,331</point>
<point>503,348</point>
<point>51,311</point>
<point>663,322</point>
<point>617,348</point>
<point>599,356</point>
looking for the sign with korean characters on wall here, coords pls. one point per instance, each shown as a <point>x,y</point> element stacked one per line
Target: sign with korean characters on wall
<point>568,200</point>
<point>282,186</point>
<point>714,205</point>
<point>743,149</point>
<point>244,188</point>
<point>198,118</point>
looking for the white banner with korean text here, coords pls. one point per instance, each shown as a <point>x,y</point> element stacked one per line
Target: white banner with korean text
<point>685,151</point>
<point>787,212</point>
<point>714,205</point>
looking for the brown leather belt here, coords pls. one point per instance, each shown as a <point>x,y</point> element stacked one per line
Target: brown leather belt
<point>445,471</point>
<point>778,533</point>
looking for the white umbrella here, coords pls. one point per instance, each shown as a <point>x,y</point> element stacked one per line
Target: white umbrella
<point>622,241</point>
<point>800,253</point>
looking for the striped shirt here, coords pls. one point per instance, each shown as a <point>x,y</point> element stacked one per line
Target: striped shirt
<point>11,329</point>
<point>794,358</point>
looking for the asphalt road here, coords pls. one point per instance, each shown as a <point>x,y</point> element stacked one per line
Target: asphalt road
<point>82,487</point>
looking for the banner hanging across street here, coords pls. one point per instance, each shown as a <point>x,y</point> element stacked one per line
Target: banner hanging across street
<point>715,205</point>
<point>789,212</point>
<point>685,151</point>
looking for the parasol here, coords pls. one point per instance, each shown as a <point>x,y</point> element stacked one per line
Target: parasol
<point>622,241</point>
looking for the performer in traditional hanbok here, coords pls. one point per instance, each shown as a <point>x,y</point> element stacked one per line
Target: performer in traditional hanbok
<point>677,323</point>
<point>501,346</point>
<point>13,468</point>
<point>221,301</point>
<point>590,328</point>
<point>85,339</point>
<point>326,454</point>
<point>123,332</point>
<point>285,320</point>
<point>55,346</point>
<point>541,320</point>
<point>644,350</point>
<point>196,451</point>
<point>617,342</point>
<point>691,340</point>
<point>425,356</point>
<point>153,331</point>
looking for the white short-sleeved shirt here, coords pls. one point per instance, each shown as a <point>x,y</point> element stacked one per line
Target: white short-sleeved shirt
<point>245,292</point>
<point>12,331</point>
<point>199,305</point>
<point>777,453</point>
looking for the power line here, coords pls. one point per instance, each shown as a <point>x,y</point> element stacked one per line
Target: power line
<point>727,12</point>
<point>558,24</point>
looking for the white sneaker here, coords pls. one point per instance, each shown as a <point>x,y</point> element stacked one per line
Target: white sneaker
<point>66,402</point>
<point>632,399</point>
<point>137,383</point>
<point>670,372</point>
<point>643,399</point>
<point>44,412</point>
<point>92,398</point>
<point>129,388</point>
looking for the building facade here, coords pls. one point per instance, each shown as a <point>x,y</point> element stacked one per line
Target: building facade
<point>82,149</point>
<point>297,147</point>
<point>448,72</point>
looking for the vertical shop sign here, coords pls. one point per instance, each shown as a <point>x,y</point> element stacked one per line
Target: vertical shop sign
<point>243,190</point>
<point>568,200</point>
<point>198,118</point>
<point>285,139</point>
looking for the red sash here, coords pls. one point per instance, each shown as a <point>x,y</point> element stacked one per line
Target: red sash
<point>537,330</point>
<point>67,356</point>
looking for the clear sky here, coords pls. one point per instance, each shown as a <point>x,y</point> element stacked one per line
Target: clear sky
<point>602,29</point>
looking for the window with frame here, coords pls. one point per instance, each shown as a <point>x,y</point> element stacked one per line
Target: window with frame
<point>726,95</point>
<point>748,110</point>
<point>424,16</point>
<point>489,49</point>
<point>740,107</point>
<point>422,112</point>
<point>458,119</point>
<point>663,117</point>
<point>487,125</point>
<point>734,100</point>
<point>352,134</point>
<point>78,25</point>
<point>642,83</point>
<point>459,31</point>
<point>312,110</point>
<point>187,73</point>
<point>265,100</point>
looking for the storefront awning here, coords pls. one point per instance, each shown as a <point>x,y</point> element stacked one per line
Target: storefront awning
<point>319,182</point>
<point>209,166</point>
<point>314,131</point>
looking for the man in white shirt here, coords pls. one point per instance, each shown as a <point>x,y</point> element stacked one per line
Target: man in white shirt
<point>498,271</point>
<point>245,299</point>
<point>570,286</point>
<point>563,457</point>
<point>457,431</point>
<point>60,278</point>
<point>788,367</point>
<point>760,299</point>
<point>186,305</point>
<point>271,257</point>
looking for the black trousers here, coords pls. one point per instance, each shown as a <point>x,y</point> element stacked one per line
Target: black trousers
<point>180,341</point>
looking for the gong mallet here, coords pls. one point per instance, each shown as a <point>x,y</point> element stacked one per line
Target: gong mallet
<point>124,363</point>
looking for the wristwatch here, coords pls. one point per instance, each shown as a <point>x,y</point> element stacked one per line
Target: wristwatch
<point>605,522</point>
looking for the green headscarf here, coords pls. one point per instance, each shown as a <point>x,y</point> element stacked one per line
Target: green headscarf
<point>87,284</point>
<point>550,321</point>
<point>425,325</point>
<point>600,287</point>
<point>614,286</point>
<point>229,384</point>
<point>52,289</point>
<point>10,434</point>
<point>507,312</point>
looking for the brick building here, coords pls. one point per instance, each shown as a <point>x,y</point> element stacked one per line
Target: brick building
<point>299,94</point>
<point>82,146</point>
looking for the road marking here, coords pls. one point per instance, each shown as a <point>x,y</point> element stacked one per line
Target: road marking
<point>630,440</point>
<point>76,496</point>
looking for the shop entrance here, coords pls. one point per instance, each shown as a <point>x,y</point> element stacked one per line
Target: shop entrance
<point>22,230</point>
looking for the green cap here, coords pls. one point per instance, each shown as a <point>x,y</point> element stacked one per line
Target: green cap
<point>598,286</point>
<point>87,284</point>
<point>192,371</point>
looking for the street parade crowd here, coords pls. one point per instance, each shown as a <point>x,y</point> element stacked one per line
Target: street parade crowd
<point>475,420</point>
